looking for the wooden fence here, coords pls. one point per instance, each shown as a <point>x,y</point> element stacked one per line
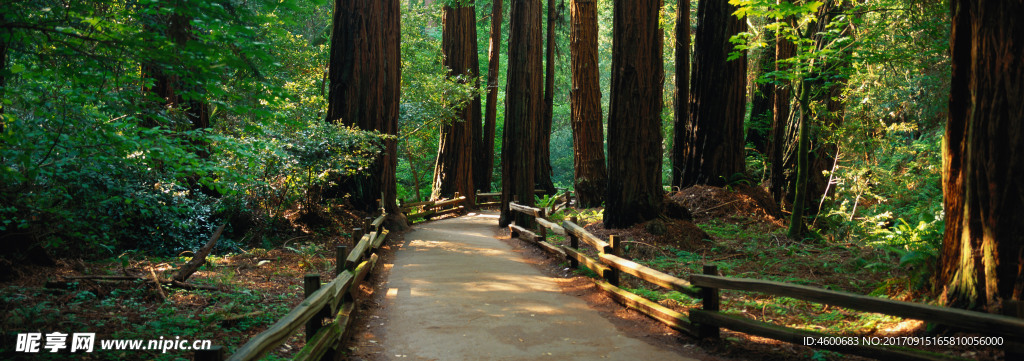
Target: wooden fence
<point>327,309</point>
<point>429,209</point>
<point>1006,330</point>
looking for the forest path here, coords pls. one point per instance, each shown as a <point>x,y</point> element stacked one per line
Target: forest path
<point>456,292</point>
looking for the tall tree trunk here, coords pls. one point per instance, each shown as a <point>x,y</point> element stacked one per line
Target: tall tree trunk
<point>485,164</point>
<point>392,19</point>
<point>714,150</point>
<point>590,173</point>
<point>824,152</point>
<point>784,49</point>
<point>982,261</point>
<point>543,174</point>
<point>634,117</point>
<point>523,108</point>
<point>454,169</point>
<point>796,222</point>
<point>682,94</point>
<point>356,95</point>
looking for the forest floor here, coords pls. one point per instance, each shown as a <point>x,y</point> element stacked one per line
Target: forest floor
<point>732,228</point>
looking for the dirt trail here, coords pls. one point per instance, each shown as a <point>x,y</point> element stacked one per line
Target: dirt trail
<point>458,293</point>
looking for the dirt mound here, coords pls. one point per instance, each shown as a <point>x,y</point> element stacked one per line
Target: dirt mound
<point>706,202</point>
<point>659,233</point>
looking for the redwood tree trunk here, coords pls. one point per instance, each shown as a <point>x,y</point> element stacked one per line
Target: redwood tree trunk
<point>485,157</point>
<point>982,261</point>
<point>682,95</point>
<point>523,108</point>
<point>356,90</point>
<point>784,49</point>
<point>543,174</point>
<point>454,169</point>
<point>714,151</point>
<point>634,117</point>
<point>590,173</point>
<point>392,93</point>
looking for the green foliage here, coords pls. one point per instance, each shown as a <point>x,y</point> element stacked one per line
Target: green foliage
<point>429,99</point>
<point>93,162</point>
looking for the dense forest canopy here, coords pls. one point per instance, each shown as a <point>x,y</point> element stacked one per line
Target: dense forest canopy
<point>144,125</point>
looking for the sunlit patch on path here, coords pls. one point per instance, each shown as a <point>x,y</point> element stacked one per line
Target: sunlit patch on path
<point>458,293</point>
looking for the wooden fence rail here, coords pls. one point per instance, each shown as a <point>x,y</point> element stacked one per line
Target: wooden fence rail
<point>431,209</point>
<point>333,302</point>
<point>708,320</point>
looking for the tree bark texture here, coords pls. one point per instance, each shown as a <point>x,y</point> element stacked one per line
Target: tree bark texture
<point>823,155</point>
<point>714,148</point>
<point>543,173</point>
<point>682,94</point>
<point>523,109</point>
<point>634,117</point>
<point>392,95</point>
<point>356,92</point>
<point>784,49</point>
<point>453,171</point>
<point>982,260</point>
<point>590,173</point>
<point>485,157</point>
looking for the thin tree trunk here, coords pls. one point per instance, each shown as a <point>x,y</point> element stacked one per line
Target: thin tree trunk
<point>796,222</point>
<point>634,117</point>
<point>485,165</point>
<point>982,260</point>
<point>682,94</point>
<point>454,169</point>
<point>544,133</point>
<point>784,49</point>
<point>714,152</point>
<point>415,174</point>
<point>823,156</point>
<point>523,108</point>
<point>590,173</point>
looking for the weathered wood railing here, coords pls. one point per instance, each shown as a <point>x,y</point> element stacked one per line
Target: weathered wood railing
<point>707,321</point>
<point>430,209</point>
<point>327,309</point>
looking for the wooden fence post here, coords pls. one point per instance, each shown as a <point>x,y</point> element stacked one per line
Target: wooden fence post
<point>574,243</point>
<point>512,220</point>
<point>357,234</point>
<point>542,232</point>
<point>340,255</point>
<point>215,353</point>
<point>1014,349</point>
<point>612,274</point>
<point>311,283</point>
<point>368,225</point>
<point>710,300</point>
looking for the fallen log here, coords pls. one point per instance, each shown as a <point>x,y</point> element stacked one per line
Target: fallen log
<point>199,257</point>
<point>163,281</point>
